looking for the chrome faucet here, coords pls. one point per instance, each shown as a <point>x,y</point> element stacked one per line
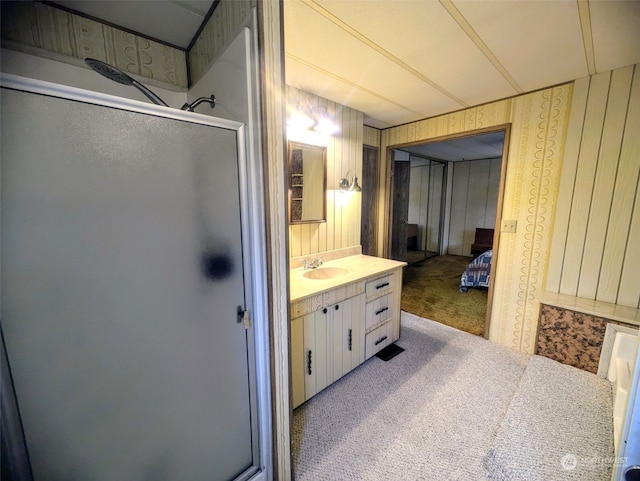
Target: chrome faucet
<point>312,263</point>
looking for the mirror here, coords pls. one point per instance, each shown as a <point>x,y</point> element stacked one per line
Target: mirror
<point>307,183</point>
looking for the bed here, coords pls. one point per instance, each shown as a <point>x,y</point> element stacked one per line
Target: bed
<point>477,272</point>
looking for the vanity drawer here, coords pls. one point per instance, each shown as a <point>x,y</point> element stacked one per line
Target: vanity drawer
<point>377,339</point>
<point>379,310</point>
<point>379,286</point>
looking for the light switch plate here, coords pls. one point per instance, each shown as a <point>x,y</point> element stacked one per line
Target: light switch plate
<point>509,225</point>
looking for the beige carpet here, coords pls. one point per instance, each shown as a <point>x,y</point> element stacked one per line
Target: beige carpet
<point>430,290</point>
<point>454,406</point>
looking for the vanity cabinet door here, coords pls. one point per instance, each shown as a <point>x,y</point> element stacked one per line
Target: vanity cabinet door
<point>297,361</point>
<point>315,333</point>
<point>347,336</point>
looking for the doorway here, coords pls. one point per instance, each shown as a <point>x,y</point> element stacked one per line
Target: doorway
<point>455,191</point>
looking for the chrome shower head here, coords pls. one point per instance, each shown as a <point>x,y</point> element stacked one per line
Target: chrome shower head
<point>116,75</point>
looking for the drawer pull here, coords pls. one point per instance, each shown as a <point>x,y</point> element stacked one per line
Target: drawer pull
<point>380,311</point>
<point>309,362</point>
<point>350,338</point>
<point>384,284</point>
<point>382,339</point>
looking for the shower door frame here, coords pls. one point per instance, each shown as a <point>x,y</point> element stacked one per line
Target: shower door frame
<point>250,184</point>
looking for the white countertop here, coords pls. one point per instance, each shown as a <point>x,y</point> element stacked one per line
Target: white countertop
<point>357,267</point>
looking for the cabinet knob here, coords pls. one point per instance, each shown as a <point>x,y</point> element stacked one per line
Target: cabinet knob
<point>336,307</point>
<point>324,311</point>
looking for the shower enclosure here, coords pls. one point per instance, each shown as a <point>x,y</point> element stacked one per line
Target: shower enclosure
<point>126,291</point>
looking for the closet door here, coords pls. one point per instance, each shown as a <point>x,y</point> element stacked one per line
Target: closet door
<point>122,278</point>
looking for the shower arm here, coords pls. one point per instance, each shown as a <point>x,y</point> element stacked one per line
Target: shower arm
<point>190,106</point>
<point>148,93</point>
<point>120,77</point>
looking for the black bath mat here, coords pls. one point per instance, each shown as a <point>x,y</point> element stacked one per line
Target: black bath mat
<point>389,352</point>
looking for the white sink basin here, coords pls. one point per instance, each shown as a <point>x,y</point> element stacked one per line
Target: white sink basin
<point>324,273</point>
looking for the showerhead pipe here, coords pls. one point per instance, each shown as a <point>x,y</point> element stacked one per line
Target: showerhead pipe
<point>116,75</point>
<point>190,106</point>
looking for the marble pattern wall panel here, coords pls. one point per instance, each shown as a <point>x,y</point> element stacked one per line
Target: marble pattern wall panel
<point>40,29</point>
<point>571,337</point>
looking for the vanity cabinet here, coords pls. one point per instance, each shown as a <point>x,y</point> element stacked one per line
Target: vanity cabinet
<point>326,344</point>
<point>334,331</point>
<point>379,313</point>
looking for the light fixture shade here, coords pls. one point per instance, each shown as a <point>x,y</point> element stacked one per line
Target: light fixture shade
<point>355,187</point>
<point>300,120</point>
<point>345,186</point>
<point>324,122</point>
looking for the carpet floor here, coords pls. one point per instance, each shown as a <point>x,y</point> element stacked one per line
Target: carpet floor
<point>437,411</point>
<point>430,290</point>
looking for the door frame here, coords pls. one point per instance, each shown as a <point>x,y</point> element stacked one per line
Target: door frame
<point>398,230</point>
<point>254,259</point>
<point>370,192</point>
<point>506,128</point>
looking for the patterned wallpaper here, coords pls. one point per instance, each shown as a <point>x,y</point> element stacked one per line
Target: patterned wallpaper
<point>47,29</point>
<point>371,136</point>
<point>221,28</point>
<point>538,128</point>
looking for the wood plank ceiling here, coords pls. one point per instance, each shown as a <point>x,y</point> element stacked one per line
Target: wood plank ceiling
<point>404,60</point>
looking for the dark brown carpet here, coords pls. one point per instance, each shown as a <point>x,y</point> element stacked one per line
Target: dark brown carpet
<point>430,290</point>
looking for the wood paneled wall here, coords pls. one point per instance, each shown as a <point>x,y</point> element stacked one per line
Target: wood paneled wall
<point>473,202</point>
<point>595,253</point>
<point>344,153</point>
<point>538,129</point>
<point>272,95</point>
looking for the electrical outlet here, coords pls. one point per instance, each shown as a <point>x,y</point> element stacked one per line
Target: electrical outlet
<point>509,225</point>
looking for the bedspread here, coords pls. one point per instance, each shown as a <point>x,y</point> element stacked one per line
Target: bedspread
<point>477,272</point>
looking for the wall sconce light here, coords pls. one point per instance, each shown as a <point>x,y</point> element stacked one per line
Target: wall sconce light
<point>305,117</point>
<point>300,119</point>
<point>346,186</point>
<point>324,123</point>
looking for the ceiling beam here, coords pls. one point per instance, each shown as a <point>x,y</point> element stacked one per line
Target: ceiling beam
<point>587,35</point>
<point>371,44</point>
<point>468,29</point>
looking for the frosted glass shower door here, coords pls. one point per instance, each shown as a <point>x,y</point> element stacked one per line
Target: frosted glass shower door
<point>122,279</point>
